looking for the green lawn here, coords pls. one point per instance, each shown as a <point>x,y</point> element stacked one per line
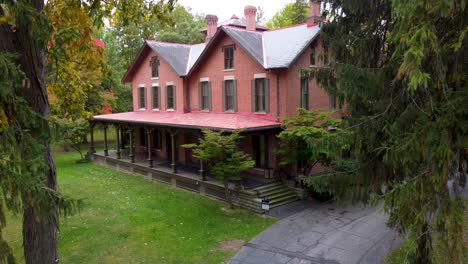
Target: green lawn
<point>127,219</point>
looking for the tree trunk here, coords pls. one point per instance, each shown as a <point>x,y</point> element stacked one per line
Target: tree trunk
<point>228,194</point>
<point>39,230</point>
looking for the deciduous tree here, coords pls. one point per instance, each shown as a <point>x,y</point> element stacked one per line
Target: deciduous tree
<point>225,160</point>
<point>292,14</point>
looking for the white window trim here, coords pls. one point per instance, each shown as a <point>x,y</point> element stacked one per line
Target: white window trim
<point>204,79</point>
<point>260,76</point>
<point>229,77</point>
<point>169,83</point>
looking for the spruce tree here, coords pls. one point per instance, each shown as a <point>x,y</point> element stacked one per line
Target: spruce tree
<point>399,69</point>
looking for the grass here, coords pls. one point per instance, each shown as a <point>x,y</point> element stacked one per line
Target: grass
<point>399,255</point>
<point>127,219</point>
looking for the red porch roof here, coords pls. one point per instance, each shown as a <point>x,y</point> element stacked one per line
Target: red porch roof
<point>216,121</point>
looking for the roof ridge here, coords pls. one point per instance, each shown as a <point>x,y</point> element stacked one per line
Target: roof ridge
<point>170,43</point>
<point>243,29</point>
<point>287,27</point>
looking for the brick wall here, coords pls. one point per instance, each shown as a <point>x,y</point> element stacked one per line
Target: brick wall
<point>142,76</point>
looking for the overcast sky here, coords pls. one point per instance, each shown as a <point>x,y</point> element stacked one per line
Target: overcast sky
<point>224,9</point>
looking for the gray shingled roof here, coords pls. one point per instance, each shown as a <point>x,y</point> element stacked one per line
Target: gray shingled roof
<point>251,41</point>
<point>195,52</point>
<point>283,46</point>
<point>271,49</point>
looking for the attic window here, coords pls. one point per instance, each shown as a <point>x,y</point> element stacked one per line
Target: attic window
<point>229,56</point>
<point>154,67</point>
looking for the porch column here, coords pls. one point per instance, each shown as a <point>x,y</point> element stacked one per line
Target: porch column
<point>106,148</point>
<point>117,138</point>
<point>132,150</point>
<point>122,141</point>
<point>149,131</point>
<point>92,148</point>
<point>173,133</point>
<point>202,170</point>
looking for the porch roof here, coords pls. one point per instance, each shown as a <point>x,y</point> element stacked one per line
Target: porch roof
<point>194,120</point>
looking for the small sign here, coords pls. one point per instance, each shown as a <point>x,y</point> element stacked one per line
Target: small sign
<point>265,204</point>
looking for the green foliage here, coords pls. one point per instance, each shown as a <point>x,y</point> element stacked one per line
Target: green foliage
<point>398,67</point>
<point>186,27</point>
<point>70,132</point>
<point>223,157</point>
<point>292,14</point>
<point>310,138</point>
<point>27,171</point>
<point>21,159</point>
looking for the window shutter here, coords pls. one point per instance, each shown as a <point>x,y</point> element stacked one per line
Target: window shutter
<point>235,95</point>
<point>174,96</point>
<point>267,95</point>
<point>144,98</point>
<point>159,97</point>
<point>209,96</point>
<point>167,98</point>
<point>200,96</point>
<point>252,84</point>
<point>223,95</point>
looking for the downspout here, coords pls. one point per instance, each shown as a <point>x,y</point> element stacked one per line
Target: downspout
<point>187,91</point>
<point>277,97</point>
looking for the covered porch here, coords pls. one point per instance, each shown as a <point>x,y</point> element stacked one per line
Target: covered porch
<point>154,141</point>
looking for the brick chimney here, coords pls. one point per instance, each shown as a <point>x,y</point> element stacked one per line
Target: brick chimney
<point>315,12</point>
<point>250,13</point>
<point>211,26</point>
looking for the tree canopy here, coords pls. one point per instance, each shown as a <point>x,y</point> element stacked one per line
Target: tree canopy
<point>224,158</point>
<point>292,14</point>
<point>398,66</point>
<point>28,181</point>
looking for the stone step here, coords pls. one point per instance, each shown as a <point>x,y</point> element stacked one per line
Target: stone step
<point>274,191</point>
<point>268,186</point>
<point>281,194</point>
<point>278,204</point>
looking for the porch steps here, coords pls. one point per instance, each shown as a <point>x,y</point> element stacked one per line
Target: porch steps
<point>278,194</point>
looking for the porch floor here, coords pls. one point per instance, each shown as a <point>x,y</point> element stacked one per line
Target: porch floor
<point>250,181</point>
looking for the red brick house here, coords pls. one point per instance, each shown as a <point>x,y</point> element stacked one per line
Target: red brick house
<point>244,76</point>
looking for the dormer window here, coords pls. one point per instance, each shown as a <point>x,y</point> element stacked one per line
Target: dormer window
<point>154,63</point>
<point>229,57</point>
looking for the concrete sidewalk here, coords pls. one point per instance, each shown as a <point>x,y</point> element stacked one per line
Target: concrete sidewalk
<point>322,233</point>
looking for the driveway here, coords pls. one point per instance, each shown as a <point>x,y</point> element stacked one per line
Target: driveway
<point>322,233</point>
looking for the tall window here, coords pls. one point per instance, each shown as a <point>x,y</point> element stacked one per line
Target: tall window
<point>260,144</point>
<point>312,54</point>
<point>170,97</point>
<point>205,96</point>
<point>260,95</point>
<point>141,98</point>
<point>305,93</point>
<point>155,92</point>
<point>229,95</point>
<point>332,103</point>
<point>154,67</point>
<point>228,57</point>
<point>325,53</point>
<point>143,138</point>
<point>157,138</point>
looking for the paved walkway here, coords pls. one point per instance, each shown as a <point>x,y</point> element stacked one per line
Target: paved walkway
<point>322,233</point>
